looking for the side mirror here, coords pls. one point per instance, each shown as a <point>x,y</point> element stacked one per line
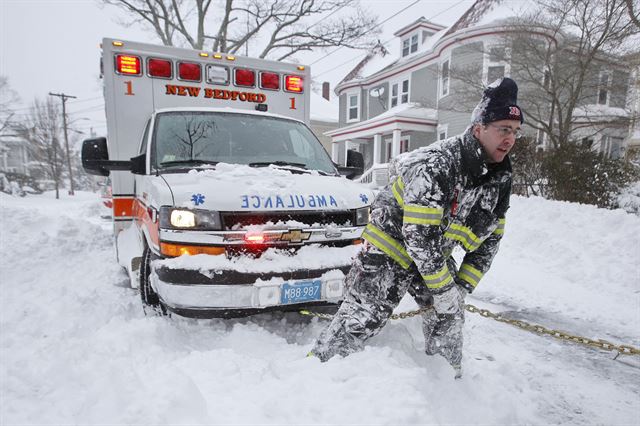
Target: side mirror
<point>95,158</point>
<point>354,167</point>
<point>138,164</point>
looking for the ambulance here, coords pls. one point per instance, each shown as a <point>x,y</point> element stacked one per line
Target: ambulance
<point>224,201</point>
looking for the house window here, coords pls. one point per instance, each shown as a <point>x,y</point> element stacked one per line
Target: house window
<point>399,93</point>
<point>616,149</point>
<point>353,110</point>
<point>404,144</point>
<point>442,131</point>
<point>414,43</point>
<point>410,45</point>
<point>496,63</point>
<point>495,72</point>
<point>444,79</point>
<point>603,88</point>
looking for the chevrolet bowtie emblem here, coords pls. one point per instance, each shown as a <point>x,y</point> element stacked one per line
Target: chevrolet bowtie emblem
<point>295,236</point>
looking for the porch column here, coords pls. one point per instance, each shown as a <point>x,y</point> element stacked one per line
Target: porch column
<point>395,144</point>
<point>377,142</point>
<point>335,149</point>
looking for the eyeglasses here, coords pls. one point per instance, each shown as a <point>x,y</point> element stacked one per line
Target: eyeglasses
<point>504,131</point>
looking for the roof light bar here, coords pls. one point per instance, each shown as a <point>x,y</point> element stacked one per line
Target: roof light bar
<point>269,81</point>
<point>159,68</point>
<point>293,83</point>
<point>244,77</point>
<point>189,71</point>
<point>129,65</point>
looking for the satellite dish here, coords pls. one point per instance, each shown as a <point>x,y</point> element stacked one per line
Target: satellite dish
<point>377,92</point>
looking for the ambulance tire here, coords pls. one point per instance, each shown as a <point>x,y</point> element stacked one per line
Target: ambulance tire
<point>150,301</point>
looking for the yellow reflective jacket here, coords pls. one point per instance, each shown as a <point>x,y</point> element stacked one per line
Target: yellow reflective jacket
<point>440,196</point>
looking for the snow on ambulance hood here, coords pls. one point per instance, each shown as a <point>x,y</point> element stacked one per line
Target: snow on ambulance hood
<point>232,187</point>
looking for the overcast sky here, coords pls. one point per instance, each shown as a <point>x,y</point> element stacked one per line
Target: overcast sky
<point>53,46</point>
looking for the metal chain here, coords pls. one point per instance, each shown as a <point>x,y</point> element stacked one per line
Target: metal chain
<point>534,328</point>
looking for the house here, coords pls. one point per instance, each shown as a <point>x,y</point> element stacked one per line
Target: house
<point>323,115</point>
<point>14,156</point>
<point>405,96</point>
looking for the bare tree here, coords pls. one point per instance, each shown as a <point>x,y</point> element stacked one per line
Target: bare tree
<point>570,59</point>
<point>275,29</point>
<point>42,128</point>
<point>8,97</point>
<point>573,73</point>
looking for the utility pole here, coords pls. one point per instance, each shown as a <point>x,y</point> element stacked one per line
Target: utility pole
<point>64,98</point>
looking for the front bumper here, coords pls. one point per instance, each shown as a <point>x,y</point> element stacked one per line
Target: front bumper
<point>229,293</point>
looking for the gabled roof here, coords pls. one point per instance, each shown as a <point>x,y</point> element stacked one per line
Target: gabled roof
<point>473,15</point>
<point>481,13</point>
<point>422,23</point>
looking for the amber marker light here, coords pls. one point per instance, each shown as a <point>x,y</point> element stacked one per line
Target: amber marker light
<point>231,58</point>
<point>117,43</point>
<point>301,67</point>
<point>204,54</point>
<point>175,250</point>
<point>217,56</point>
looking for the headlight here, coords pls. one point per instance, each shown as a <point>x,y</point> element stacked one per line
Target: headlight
<point>362,216</point>
<point>180,218</point>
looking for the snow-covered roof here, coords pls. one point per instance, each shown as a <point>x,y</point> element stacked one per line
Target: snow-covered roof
<point>600,112</point>
<point>388,55</point>
<point>421,22</point>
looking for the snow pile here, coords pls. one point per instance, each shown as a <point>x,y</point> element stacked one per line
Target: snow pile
<point>77,349</point>
<point>629,198</point>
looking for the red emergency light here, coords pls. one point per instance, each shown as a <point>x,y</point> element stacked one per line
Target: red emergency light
<point>189,71</point>
<point>254,238</point>
<point>269,80</point>
<point>160,68</point>
<point>127,64</point>
<point>293,83</point>
<point>245,77</point>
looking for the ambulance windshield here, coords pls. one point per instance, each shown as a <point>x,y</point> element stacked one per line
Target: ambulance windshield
<point>200,137</point>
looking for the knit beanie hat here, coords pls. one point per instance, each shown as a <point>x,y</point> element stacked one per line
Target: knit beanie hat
<point>499,102</point>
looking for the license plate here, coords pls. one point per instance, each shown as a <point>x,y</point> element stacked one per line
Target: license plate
<point>301,291</point>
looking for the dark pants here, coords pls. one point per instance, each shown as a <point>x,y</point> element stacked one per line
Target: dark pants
<point>374,286</point>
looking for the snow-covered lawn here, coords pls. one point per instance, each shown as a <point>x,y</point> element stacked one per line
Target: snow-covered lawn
<point>76,347</point>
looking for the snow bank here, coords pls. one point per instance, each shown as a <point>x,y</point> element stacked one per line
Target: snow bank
<point>77,349</point>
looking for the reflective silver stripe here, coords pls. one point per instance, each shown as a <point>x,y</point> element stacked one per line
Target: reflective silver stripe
<point>422,215</point>
<point>398,191</point>
<point>464,235</point>
<point>388,245</point>
<point>500,229</point>
<point>439,279</point>
<point>470,274</point>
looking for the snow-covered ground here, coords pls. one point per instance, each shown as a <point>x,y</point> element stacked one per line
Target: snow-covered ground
<point>76,347</point>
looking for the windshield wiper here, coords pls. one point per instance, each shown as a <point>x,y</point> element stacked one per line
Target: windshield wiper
<point>192,161</point>
<point>277,163</point>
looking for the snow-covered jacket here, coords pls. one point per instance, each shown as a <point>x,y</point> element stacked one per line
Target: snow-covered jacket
<point>440,196</point>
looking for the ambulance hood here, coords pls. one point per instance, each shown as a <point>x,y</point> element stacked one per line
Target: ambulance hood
<point>232,187</point>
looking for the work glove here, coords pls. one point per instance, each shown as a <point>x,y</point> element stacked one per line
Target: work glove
<point>442,326</point>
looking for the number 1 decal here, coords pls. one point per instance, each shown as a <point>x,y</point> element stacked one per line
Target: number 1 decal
<point>129,88</point>
<point>293,103</point>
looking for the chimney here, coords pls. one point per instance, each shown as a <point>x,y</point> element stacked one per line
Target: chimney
<point>325,90</point>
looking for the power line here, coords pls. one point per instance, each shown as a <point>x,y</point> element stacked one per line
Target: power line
<point>390,17</point>
<point>386,41</point>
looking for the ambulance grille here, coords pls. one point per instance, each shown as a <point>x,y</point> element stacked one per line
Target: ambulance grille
<point>239,220</point>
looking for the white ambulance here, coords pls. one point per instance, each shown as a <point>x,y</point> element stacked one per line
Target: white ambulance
<point>224,202</point>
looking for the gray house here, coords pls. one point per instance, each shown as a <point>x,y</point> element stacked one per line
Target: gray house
<point>393,103</point>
